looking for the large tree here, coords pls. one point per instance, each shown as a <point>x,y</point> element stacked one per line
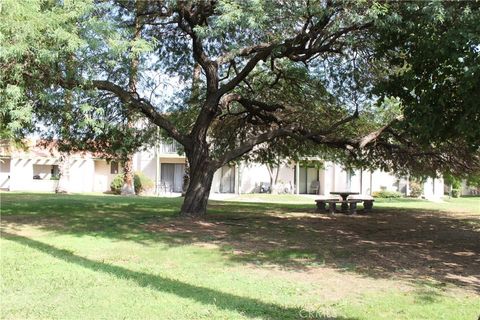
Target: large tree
<point>300,77</point>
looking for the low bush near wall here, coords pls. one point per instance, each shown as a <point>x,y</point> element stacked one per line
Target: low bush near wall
<point>416,189</point>
<point>141,183</point>
<point>456,193</point>
<point>117,183</point>
<point>386,194</point>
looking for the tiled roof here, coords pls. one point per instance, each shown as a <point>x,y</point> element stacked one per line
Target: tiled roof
<point>35,149</point>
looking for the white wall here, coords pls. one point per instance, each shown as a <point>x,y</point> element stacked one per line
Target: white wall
<point>21,175</point>
<point>433,188</point>
<point>366,175</point>
<point>253,175</point>
<point>467,190</point>
<point>82,175</point>
<point>217,179</point>
<point>22,171</point>
<point>102,178</point>
<point>382,180</point>
<point>145,161</point>
<point>334,178</point>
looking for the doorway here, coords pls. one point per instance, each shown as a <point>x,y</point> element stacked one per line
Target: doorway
<point>172,176</point>
<point>308,175</point>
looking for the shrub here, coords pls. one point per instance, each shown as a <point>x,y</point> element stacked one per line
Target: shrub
<point>117,184</point>
<point>141,183</point>
<point>415,189</point>
<point>386,194</point>
<point>456,193</point>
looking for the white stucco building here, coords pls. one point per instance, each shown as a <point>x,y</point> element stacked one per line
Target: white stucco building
<point>35,169</point>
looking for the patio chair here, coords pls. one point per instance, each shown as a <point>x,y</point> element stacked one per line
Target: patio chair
<point>315,187</point>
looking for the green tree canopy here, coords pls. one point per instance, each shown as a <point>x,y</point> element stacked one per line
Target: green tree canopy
<point>370,84</point>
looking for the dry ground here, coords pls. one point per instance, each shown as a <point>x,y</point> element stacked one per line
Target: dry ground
<point>420,244</point>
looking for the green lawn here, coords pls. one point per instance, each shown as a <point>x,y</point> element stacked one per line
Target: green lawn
<point>112,257</point>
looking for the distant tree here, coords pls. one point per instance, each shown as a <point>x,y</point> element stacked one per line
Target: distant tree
<point>381,84</point>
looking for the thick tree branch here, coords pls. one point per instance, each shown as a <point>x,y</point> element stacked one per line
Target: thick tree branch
<point>229,56</point>
<point>191,16</point>
<point>373,136</point>
<point>249,144</point>
<point>301,47</point>
<point>341,122</point>
<point>188,21</point>
<point>240,76</point>
<point>143,106</point>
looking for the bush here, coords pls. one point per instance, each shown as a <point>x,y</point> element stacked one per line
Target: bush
<point>386,194</point>
<point>141,183</point>
<point>117,184</point>
<point>456,193</point>
<point>415,189</point>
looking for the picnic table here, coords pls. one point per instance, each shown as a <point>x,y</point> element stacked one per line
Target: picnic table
<point>348,205</point>
<point>344,195</point>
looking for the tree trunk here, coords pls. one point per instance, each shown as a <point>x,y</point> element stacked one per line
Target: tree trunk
<point>273,178</point>
<point>128,187</point>
<point>270,173</point>
<point>186,178</point>
<point>63,185</point>
<point>201,176</point>
<point>276,178</point>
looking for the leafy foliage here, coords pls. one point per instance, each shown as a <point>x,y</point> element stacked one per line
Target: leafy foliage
<point>387,194</point>
<point>117,184</point>
<point>141,182</point>
<point>416,189</point>
<point>433,49</point>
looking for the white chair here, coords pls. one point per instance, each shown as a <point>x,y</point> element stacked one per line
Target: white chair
<point>315,187</point>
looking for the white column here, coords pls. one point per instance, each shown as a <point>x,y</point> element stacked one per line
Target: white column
<point>237,178</point>
<point>371,182</point>
<point>157,173</point>
<point>361,181</point>
<point>407,186</point>
<point>333,186</point>
<point>297,178</point>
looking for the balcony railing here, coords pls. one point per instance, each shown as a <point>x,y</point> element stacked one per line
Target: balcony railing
<point>169,147</point>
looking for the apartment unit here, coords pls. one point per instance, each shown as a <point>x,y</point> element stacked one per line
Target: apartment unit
<point>37,169</point>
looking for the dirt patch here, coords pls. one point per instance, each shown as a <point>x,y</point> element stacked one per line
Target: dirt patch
<point>392,243</point>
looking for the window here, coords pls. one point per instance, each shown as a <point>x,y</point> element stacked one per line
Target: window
<point>114,167</point>
<point>45,172</point>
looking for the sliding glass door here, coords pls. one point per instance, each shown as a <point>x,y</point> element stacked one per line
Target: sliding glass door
<point>172,176</point>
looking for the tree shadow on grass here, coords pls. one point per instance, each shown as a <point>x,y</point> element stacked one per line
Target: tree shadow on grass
<point>403,243</point>
<point>247,306</point>
<point>406,243</point>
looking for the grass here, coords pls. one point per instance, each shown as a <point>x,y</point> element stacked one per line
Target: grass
<point>112,257</point>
